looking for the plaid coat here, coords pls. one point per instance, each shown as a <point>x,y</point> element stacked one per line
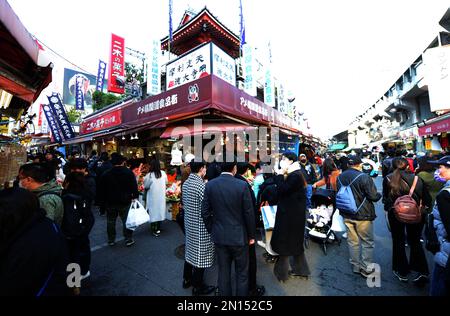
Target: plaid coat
<point>199,245</point>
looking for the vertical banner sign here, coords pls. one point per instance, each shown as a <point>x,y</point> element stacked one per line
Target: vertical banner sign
<point>117,64</point>
<point>60,116</point>
<point>52,123</point>
<point>437,73</point>
<point>100,75</point>
<point>79,95</point>
<point>269,89</point>
<point>249,68</point>
<point>154,69</point>
<point>223,65</point>
<point>282,106</point>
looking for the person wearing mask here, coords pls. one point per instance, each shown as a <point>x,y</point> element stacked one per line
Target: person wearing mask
<point>118,188</point>
<point>289,231</point>
<point>228,214</point>
<point>368,165</point>
<point>199,253</point>
<point>78,219</point>
<point>33,252</point>
<point>155,183</point>
<point>440,280</point>
<point>425,171</point>
<point>395,185</point>
<point>309,175</point>
<point>360,236</point>
<point>254,289</point>
<point>259,178</point>
<point>35,178</point>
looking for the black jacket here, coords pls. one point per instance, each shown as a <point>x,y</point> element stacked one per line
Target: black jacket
<point>268,192</point>
<point>37,253</point>
<point>228,211</point>
<point>343,163</point>
<point>386,166</point>
<point>363,187</point>
<point>288,233</point>
<point>420,192</point>
<point>91,185</point>
<point>117,187</point>
<point>309,173</point>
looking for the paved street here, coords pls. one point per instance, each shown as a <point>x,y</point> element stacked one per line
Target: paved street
<point>151,267</point>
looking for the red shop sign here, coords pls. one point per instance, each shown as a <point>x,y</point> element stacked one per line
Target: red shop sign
<point>99,123</point>
<point>435,128</point>
<point>116,64</point>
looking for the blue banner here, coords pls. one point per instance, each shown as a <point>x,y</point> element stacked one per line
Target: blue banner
<point>52,123</point>
<point>101,75</point>
<point>79,95</point>
<point>170,22</point>
<point>242,25</point>
<point>60,116</point>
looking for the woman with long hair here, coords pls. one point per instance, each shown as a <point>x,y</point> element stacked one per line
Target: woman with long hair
<point>330,173</point>
<point>155,183</point>
<point>397,184</point>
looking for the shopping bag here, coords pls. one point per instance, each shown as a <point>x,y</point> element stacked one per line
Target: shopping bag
<point>137,215</point>
<point>338,224</point>
<point>268,215</point>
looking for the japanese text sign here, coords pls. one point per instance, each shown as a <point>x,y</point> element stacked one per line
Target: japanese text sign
<point>116,64</point>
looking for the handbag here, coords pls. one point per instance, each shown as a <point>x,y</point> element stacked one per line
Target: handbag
<point>337,223</point>
<point>269,214</point>
<point>137,215</point>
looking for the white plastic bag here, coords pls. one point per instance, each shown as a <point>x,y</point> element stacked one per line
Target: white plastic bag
<point>268,215</point>
<point>137,215</point>
<point>338,224</point>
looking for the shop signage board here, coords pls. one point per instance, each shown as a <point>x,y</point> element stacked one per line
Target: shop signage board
<point>282,100</point>
<point>60,116</point>
<point>269,87</point>
<point>249,70</point>
<point>116,64</point>
<point>154,69</point>
<point>100,75</point>
<point>224,65</point>
<point>105,121</point>
<point>435,128</point>
<point>437,74</point>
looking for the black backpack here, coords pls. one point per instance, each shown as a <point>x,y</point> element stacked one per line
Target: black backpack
<point>77,216</point>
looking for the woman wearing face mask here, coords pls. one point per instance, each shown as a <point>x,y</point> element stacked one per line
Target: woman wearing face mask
<point>288,233</point>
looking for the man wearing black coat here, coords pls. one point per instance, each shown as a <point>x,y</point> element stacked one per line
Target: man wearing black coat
<point>228,213</point>
<point>117,188</point>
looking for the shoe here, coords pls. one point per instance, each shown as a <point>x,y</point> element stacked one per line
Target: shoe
<point>420,278</point>
<point>400,277</point>
<point>365,273</point>
<point>259,291</point>
<point>271,259</point>
<point>295,275</point>
<point>129,243</point>
<point>156,234</point>
<point>204,290</point>
<point>87,275</point>
<point>186,284</point>
<point>261,244</point>
<point>111,243</point>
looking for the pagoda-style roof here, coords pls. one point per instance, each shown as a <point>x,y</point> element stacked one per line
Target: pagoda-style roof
<point>197,29</point>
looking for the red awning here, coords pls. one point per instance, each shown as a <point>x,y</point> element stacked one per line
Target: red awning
<point>190,130</point>
<point>441,126</point>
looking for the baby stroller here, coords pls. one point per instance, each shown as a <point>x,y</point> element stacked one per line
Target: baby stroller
<point>320,219</point>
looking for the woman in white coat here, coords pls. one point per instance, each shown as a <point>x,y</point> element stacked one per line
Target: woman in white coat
<point>155,184</point>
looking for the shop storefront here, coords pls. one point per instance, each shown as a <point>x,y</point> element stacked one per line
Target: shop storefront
<point>435,134</point>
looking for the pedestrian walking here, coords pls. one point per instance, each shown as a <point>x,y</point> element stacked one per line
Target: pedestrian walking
<point>399,183</point>
<point>309,175</point>
<point>360,223</point>
<point>228,214</point>
<point>199,253</point>
<point>155,182</point>
<point>289,231</point>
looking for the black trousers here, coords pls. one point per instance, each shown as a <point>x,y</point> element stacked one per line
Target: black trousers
<point>252,267</point>
<point>412,233</point>
<point>193,274</point>
<point>226,255</point>
<point>80,252</point>
<point>299,266</point>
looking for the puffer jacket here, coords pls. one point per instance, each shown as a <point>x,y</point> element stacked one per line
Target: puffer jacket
<point>441,213</point>
<point>362,188</point>
<point>49,195</point>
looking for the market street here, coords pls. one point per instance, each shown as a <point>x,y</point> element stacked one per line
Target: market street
<point>151,266</point>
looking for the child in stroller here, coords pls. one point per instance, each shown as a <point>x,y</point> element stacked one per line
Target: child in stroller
<point>320,219</point>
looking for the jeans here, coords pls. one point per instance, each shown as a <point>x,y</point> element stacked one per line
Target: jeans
<point>309,193</point>
<point>226,255</point>
<point>438,286</point>
<point>360,244</point>
<point>111,215</point>
<point>80,252</point>
<point>193,274</point>
<point>417,261</point>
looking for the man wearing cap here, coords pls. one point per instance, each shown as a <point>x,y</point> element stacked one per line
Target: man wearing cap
<point>360,225</point>
<point>440,280</point>
<point>310,176</point>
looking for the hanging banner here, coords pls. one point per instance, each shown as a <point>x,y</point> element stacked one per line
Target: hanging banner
<point>100,76</point>
<point>60,116</point>
<point>437,74</point>
<point>224,66</point>
<point>249,68</point>
<point>154,69</point>
<point>269,88</point>
<point>52,123</point>
<point>116,82</point>
<point>79,95</point>
<point>282,100</point>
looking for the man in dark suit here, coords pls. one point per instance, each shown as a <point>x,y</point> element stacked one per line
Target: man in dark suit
<point>228,213</point>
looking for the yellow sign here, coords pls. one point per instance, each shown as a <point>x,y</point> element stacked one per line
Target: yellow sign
<point>428,144</point>
<point>4,125</point>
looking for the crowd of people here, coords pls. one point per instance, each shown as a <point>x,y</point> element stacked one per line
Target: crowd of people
<point>46,218</point>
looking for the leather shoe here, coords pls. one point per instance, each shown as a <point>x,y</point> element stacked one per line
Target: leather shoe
<point>204,290</point>
<point>186,284</point>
